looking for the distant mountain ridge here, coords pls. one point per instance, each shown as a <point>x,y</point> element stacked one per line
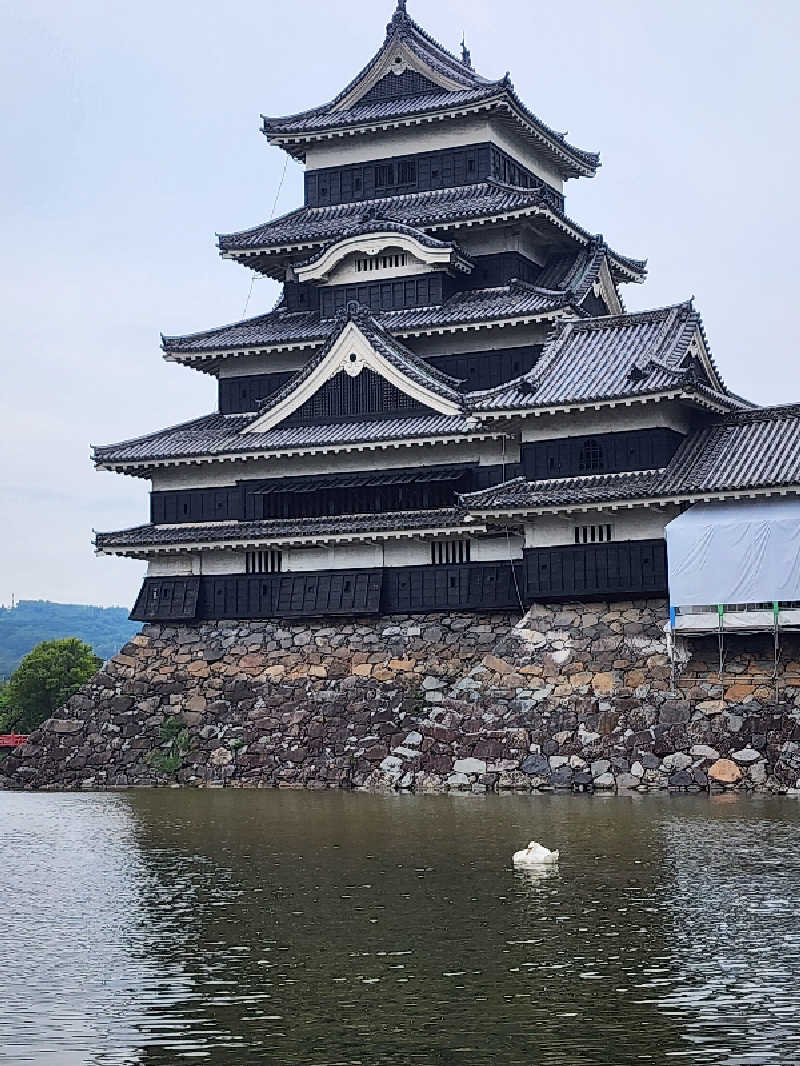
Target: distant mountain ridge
<point>32,621</point>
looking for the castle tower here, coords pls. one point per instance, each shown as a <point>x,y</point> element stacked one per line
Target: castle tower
<point>449,407</point>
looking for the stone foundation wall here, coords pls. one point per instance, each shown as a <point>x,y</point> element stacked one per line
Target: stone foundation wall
<point>571,697</point>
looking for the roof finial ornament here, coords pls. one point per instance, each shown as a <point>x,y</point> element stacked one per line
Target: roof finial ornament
<point>399,18</point>
<point>466,55</point>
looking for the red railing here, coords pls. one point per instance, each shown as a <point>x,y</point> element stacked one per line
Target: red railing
<point>12,740</point>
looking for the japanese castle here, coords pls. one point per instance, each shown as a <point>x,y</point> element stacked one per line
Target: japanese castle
<point>449,407</point>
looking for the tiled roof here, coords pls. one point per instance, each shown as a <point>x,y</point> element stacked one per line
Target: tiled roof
<point>369,111</point>
<point>279,529</point>
<point>408,364</point>
<point>319,224</point>
<point>615,355</point>
<point>747,450</point>
<point>516,300</point>
<point>420,210</point>
<point>225,435</point>
<point>275,328</point>
<point>351,108</point>
<point>575,272</point>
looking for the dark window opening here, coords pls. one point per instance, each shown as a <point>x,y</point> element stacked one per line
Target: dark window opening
<point>407,172</point>
<point>591,459</point>
<point>384,176</point>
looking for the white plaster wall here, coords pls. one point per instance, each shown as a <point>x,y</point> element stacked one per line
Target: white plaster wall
<point>407,553</point>
<point>519,237</point>
<point>170,566</point>
<point>336,557</point>
<point>642,523</point>
<point>217,475</point>
<point>496,549</point>
<point>607,420</point>
<point>174,566</point>
<point>447,133</point>
<point>224,562</point>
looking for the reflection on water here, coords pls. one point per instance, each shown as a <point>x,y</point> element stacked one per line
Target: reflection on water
<point>322,929</point>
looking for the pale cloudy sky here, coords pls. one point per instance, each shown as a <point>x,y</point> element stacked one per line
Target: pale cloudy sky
<point>130,135</point>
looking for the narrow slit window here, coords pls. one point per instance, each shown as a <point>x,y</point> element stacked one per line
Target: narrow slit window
<point>265,562</point>
<point>595,534</point>
<point>450,552</point>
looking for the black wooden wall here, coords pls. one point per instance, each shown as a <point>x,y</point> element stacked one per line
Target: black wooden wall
<point>407,489</point>
<point>616,570</point>
<point>343,398</point>
<point>402,293</point>
<point>347,494</point>
<point>446,168</point>
<point>484,370</point>
<point>602,453</point>
<point>475,370</point>
<point>239,395</point>
<point>196,505</point>
<point>406,590</point>
<point>395,294</point>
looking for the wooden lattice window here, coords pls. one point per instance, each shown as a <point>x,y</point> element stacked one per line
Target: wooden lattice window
<point>265,562</point>
<point>450,552</point>
<point>599,534</point>
<point>592,458</point>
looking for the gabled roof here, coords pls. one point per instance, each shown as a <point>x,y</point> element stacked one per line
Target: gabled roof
<point>380,353</point>
<point>438,82</point>
<point>745,451</point>
<point>439,209</point>
<point>615,355</point>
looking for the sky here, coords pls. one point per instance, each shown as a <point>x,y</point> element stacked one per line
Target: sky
<point>130,135</point>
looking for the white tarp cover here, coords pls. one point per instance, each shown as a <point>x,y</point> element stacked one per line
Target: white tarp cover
<point>735,552</point>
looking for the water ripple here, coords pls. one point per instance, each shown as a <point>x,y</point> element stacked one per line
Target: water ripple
<point>327,929</point>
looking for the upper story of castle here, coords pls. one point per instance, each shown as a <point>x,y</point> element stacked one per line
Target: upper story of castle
<point>419,139</point>
<point>417,118</point>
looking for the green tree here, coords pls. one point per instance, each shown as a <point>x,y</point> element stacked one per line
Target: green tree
<point>5,707</point>
<point>45,680</point>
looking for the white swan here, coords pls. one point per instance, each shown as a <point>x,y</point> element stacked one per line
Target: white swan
<point>535,855</point>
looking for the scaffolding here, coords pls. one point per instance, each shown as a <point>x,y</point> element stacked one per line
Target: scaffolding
<point>734,569</point>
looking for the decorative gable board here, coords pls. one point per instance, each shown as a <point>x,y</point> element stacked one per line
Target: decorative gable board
<point>397,60</point>
<point>391,86</point>
<point>350,353</point>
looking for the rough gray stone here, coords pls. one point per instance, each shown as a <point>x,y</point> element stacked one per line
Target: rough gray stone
<point>536,765</point>
<point>469,766</point>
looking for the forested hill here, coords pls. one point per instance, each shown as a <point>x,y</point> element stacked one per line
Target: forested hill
<point>31,621</point>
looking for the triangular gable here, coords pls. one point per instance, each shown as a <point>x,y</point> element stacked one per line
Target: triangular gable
<point>698,350</point>
<point>411,56</point>
<point>352,351</point>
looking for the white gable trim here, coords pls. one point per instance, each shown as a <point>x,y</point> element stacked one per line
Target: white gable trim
<point>606,290</point>
<point>371,245</point>
<point>351,353</point>
<point>697,347</point>
<point>397,58</point>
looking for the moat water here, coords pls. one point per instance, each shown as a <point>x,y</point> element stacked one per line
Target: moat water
<point>322,929</point>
